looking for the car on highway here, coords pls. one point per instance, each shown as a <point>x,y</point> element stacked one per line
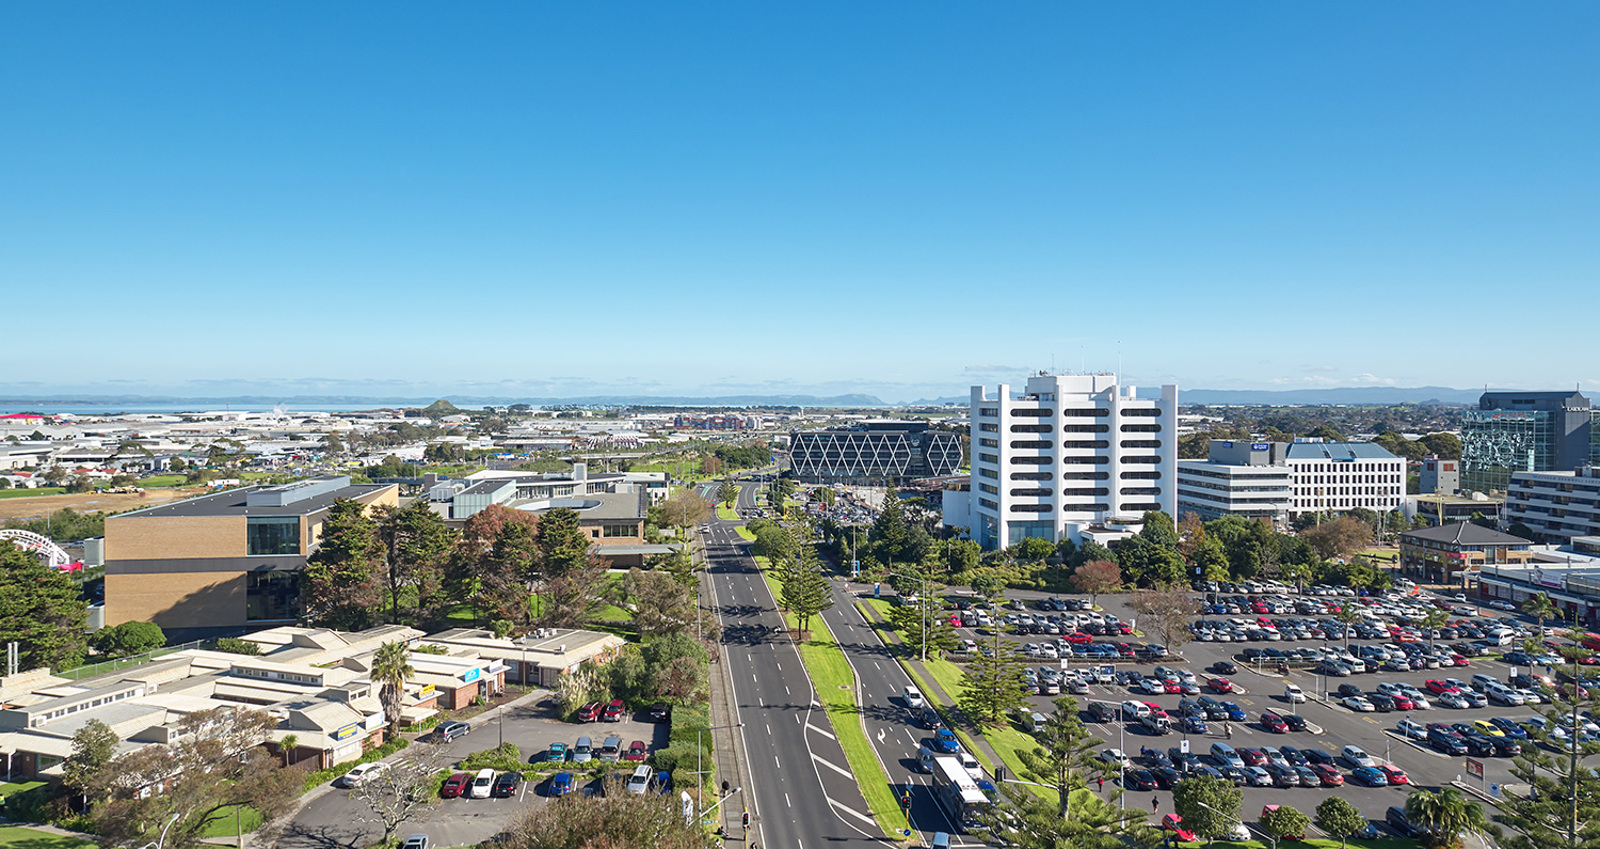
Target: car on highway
<point>945,742</point>
<point>455,785</point>
<point>912,697</point>
<point>560,784</point>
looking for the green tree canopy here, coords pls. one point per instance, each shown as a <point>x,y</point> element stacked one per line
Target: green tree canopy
<point>40,609</point>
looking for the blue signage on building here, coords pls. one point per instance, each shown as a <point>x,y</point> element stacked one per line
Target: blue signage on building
<point>471,674</point>
<point>1259,446</point>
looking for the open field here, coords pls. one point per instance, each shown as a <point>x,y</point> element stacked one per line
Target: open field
<point>38,506</point>
<point>32,838</point>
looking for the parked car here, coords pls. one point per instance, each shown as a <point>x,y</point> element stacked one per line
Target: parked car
<point>455,785</point>
<point>637,752</point>
<point>560,784</point>
<point>482,784</point>
<point>448,731</point>
<point>507,784</point>
<point>361,773</point>
<point>590,712</point>
<point>615,710</point>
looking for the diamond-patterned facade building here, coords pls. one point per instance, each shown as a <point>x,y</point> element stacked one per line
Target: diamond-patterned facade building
<point>873,452</point>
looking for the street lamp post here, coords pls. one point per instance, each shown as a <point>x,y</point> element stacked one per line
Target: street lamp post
<point>699,766</point>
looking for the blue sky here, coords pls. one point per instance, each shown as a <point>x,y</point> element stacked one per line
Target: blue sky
<point>896,198</point>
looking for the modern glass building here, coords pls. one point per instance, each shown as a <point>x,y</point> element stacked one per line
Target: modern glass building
<point>874,452</point>
<point>1524,432</point>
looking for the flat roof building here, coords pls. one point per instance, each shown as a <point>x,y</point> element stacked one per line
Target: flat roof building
<point>225,561</point>
<point>1525,432</point>
<point>1557,506</point>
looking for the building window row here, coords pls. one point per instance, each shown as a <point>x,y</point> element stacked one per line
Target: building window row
<point>1140,428</point>
<point>1087,428</point>
<point>1030,492</point>
<point>1032,444</point>
<point>989,443</point>
<point>1031,412</point>
<point>1031,428</point>
<point>1030,476</point>
<point>1145,413</point>
<point>1085,412</point>
<point>1141,443</point>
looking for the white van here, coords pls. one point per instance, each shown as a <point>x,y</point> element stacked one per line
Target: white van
<point>1031,719</point>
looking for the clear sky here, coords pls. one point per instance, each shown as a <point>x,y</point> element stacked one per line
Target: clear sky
<point>896,198</point>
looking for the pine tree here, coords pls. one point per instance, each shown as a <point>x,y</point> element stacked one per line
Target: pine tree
<point>1065,754</point>
<point>40,610</point>
<point>1563,796</point>
<point>993,684</point>
<point>415,541</point>
<point>889,537</point>
<point>804,588</point>
<point>340,587</point>
<point>572,575</point>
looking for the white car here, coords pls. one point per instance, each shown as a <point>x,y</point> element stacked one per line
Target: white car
<point>482,784</point>
<point>1114,757</point>
<point>1452,700</point>
<point>1358,704</point>
<point>1354,756</point>
<point>912,697</point>
<point>1502,604</point>
<point>362,772</point>
<point>1294,694</point>
<point>1419,701</point>
<point>1152,686</point>
<point>1412,730</point>
<point>1529,696</point>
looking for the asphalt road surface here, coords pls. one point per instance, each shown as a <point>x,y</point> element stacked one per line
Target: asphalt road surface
<point>804,793</point>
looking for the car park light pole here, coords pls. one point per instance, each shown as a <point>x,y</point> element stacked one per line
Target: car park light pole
<point>699,757</point>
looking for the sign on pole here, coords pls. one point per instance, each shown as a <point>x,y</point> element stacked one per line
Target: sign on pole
<point>1183,745</point>
<point>1474,768</point>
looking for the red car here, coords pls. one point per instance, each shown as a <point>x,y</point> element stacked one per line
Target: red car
<point>1079,638</point>
<point>1172,686</point>
<point>1174,824</point>
<point>1252,757</point>
<point>1124,628</point>
<point>1460,660</point>
<point>1395,774</point>
<point>615,710</point>
<point>1155,709</point>
<point>1403,702</point>
<point>1274,723</point>
<point>455,785</point>
<point>637,751</point>
<point>1221,685</point>
<point>589,712</point>
<point>1437,687</point>
<point>1328,774</point>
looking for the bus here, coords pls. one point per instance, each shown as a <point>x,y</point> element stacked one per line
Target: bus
<point>958,793</point>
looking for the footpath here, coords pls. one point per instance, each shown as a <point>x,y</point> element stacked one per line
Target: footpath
<point>727,749</point>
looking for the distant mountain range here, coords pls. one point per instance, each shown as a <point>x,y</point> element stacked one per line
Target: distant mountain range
<point>1284,397</point>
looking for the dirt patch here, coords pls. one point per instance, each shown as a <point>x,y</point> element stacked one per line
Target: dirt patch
<point>39,506</point>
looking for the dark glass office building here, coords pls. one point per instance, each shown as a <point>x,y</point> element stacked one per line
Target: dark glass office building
<point>1524,432</point>
<point>874,452</point>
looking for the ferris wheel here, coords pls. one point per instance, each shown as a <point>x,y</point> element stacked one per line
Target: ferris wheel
<point>41,545</point>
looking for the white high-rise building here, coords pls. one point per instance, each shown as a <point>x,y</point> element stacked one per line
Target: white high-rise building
<point>1071,453</point>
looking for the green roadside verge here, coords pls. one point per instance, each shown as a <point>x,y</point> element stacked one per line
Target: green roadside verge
<point>31,838</point>
<point>727,513</point>
<point>835,685</point>
<point>1005,740</point>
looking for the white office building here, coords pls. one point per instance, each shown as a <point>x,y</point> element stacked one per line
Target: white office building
<point>1249,479</point>
<point>1333,477</point>
<point>1070,454</point>
<point>1557,505</point>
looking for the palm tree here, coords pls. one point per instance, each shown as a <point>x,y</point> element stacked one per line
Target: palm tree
<point>1445,815</point>
<point>1540,608</point>
<point>288,744</point>
<point>1433,621</point>
<point>391,669</point>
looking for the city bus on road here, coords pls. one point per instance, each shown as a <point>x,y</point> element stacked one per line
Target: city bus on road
<point>958,793</point>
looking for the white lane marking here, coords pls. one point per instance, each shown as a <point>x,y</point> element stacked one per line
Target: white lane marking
<point>769,728</point>
<point>786,690</point>
<point>810,727</point>
<point>786,800</point>
<point>831,765</point>
<point>880,735</point>
<point>853,812</point>
<point>776,761</point>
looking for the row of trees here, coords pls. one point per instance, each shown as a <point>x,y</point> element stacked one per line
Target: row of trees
<point>404,565</point>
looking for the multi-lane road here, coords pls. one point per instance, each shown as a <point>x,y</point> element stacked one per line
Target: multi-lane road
<point>803,793</point>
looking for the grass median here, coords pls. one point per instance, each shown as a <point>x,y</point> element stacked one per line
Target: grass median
<point>835,684</point>
<point>727,513</point>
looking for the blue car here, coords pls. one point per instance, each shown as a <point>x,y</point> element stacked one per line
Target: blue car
<point>1371,776</point>
<point>560,784</point>
<point>1192,725</point>
<point>945,741</point>
<point>1235,713</point>
<point>1519,658</point>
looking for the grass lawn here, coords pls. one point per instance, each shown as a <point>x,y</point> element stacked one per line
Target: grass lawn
<point>11,788</point>
<point>17,837</point>
<point>726,512</point>
<point>225,827</point>
<point>161,481</point>
<point>29,493</point>
<point>1315,843</point>
<point>830,674</point>
<point>745,532</point>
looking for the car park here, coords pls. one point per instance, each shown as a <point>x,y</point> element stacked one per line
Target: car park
<point>1328,775</point>
<point>590,712</point>
<point>1394,774</point>
<point>1356,756</point>
<point>1274,723</point>
<point>448,731</point>
<point>1358,704</point>
<point>583,751</point>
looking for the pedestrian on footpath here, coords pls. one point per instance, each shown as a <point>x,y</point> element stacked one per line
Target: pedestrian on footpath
<point>1102,780</point>
<point>1155,803</point>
